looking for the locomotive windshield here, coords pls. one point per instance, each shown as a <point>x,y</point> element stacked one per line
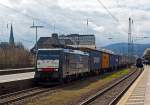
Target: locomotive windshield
<point>48,59</point>
<point>47,54</point>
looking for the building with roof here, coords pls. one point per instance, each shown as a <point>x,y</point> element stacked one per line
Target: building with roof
<point>87,41</point>
<point>51,42</point>
<point>69,41</point>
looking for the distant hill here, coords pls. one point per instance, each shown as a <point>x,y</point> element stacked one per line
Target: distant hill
<point>123,48</point>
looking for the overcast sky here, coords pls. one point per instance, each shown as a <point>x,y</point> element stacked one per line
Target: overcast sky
<point>69,16</point>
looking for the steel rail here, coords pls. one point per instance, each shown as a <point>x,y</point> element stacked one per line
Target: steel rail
<point>101,92</point>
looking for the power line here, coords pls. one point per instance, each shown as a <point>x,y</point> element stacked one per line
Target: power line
<point>36,32</point>
<point>18,37</point>
<point>41,3</point>
<point>108,11</point>
<point>23,14</point>
<point>48,7</point>
<point>114,17</point>
<point>17,11</point>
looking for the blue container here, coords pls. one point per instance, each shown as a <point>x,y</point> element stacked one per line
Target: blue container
<point>95,60</point>
<point>113,60</point>
<point>121,60</point>
<point>117,60</point>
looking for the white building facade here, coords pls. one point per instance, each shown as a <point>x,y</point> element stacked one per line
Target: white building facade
<point>87,41</point>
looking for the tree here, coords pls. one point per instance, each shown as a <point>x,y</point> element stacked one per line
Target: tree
<point>15,57</point>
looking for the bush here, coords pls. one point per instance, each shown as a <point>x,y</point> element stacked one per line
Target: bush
<point>15,57</point>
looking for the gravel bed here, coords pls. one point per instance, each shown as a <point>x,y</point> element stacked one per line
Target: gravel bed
<point>107,97</point>
<point>37,97</point>
<point>19,96</point>
<point>93,91</point>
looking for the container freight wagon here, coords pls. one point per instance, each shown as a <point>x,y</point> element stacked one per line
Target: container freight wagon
<point>113,62</point>
<point>105,61</point>
<point>75,62</point>
<point>94,59</point>
<point>117,61</point>
<point>123,61</point>
<point>126,60</point>
<point>120,61</point>
<point>56,65</point>
<point>132,60</point>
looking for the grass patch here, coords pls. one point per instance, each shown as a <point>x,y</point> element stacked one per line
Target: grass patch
<point>118,74</point>
<point>78,89</point>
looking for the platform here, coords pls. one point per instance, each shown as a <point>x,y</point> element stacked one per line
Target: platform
<point>16,71</point>
<point>16,77</point>
<point>139,92</point>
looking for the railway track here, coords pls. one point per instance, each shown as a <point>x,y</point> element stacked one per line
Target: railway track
<point>20,95</point>
<point>112,94</point>
<point>32,93</point>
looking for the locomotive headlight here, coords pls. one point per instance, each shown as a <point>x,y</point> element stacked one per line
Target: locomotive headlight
<point>56,69</point>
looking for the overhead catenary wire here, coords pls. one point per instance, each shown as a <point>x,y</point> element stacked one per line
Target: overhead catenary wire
<point>12,9</point>
<point>113,16</point>
<point>108,11</point>
<point>43,4</point>
<point>17,11</point>
<point>18,37</point>
<point>25,15</point>
<point>48,7</point>
<point>54,27</point>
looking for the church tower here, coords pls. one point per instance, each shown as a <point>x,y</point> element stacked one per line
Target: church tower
<point>11,38</point>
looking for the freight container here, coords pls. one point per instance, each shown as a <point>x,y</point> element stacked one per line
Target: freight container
<point>95,60</point>
<point>105,61</point>
<point>113,60</point>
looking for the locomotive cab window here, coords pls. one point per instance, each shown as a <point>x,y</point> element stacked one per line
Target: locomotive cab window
<point>48,60</point>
